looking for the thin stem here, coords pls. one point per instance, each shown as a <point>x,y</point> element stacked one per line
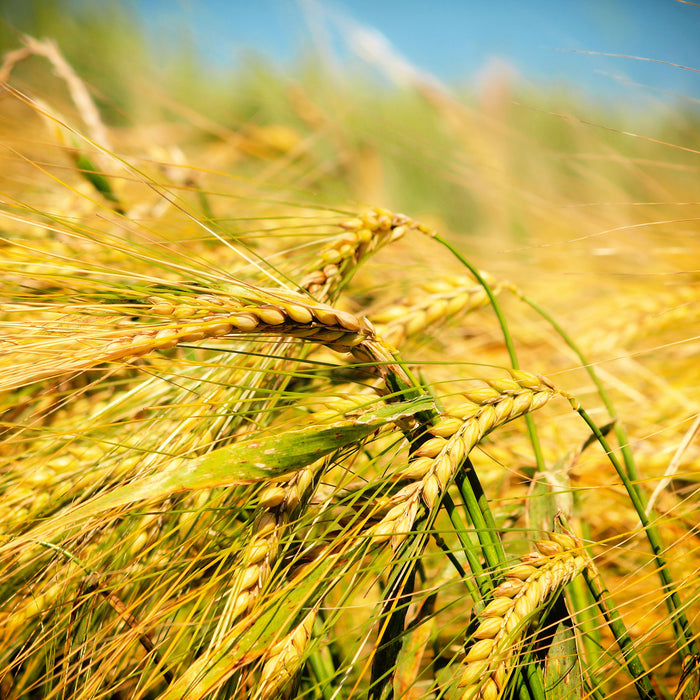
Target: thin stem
<point>508,339</point>
<point>479,513</point>
<point>469,551</point>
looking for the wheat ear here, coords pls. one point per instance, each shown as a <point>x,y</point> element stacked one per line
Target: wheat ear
<point>285,658</point>
<point>505,622</point>
<point>363,236</point>
<point>437,301</point>
<point>70,347</point>
<point>436,461</point>
<point>279,502</point>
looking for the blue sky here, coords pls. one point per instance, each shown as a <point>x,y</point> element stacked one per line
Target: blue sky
<point>455,40</point>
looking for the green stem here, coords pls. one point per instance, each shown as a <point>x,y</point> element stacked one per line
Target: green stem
<point>477,508</point>
<point>396,600</point>
<point>508,339</point>
<point>469,550</point>
<point>585,623</point>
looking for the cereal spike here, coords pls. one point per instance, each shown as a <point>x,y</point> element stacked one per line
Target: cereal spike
<point>437,459</point>
<point>284,658</point>
<point>438,301</point>
<point>361,237</point>
<point>506,621</point>
<point>257,311</point>
<point>279,502</point>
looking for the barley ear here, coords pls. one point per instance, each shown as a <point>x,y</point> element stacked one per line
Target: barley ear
<point>505,623</point>
<point>285,658</point>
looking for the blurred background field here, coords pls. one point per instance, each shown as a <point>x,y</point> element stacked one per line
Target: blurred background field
<point>586,187</point>
<point>583,193</point>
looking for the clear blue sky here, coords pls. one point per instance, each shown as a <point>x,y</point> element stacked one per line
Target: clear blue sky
<point>454,39</point>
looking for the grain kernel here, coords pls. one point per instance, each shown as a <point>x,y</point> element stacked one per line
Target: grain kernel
<point>300,314</point>
<point>331,256</point>
<point>330,270</point>
<point>348,341</point>
<point>241,603</point>
<point>244,322</point>
<point>486,418</point>
<point>191,333</point>
<point>416,323</point>
<point>444,469</point>
<point>549,548</point>
<point>417,468</point>
<point>184,311</point>
<point>257,552</point>
<point>219,329</point>
<point>503,385</point>
<point>503,410</point>
<point>523,607</point>
<point>497,607</point>
<point>393,313</point>
<point>346,250</point>
<point>540,399</point>
<point>533,558</point>
<point>166,338</point>
<point>489,691</point>
<point>446,427</point>
<point>431,491</point>
<point>525,379</point>
<point>436,311</point>
<point>265,525</point>
<point>480,650</point>
<point>489,628</point>
<point>564,541</point>
<point>250,577</point>
<point>325,315</point>
<point>473,672</point>
<point>482,395</point>
<point>351,224</point>
<point>363,235</point>
<point>348,321</point>
<point>272,496</point>
<point>270,315</point>
<point>383,531</point>
<point>141,344</point>
<point>465,410</point>
<point>162,309</point>
<point>508,588</point>
<point>521,572</point>
<point>431,448</point>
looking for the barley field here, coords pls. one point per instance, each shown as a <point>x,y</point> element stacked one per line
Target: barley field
<point>319,389</point>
